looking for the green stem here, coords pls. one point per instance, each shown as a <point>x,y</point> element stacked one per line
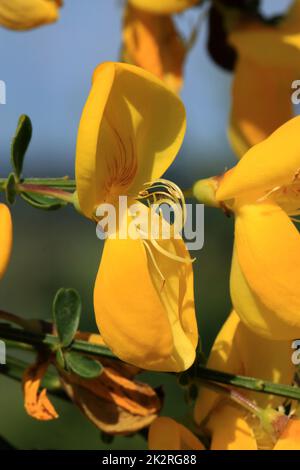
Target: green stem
<point>203,374</point>
<point>235,396</point>
<point>62,183</point>
<point>248,383</point>
<point>46,191</point>
<point>17,345</point>
<point>15,319</point>
<point>51,341</point>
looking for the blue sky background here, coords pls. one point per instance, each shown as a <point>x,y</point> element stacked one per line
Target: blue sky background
<point>47,72</point>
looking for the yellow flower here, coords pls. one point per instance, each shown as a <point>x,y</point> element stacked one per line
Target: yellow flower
<point>151,40</point>
<point>6,235</point>
<point>27,14</point>
<point>238,350</point>
<point>267,65</point>
<point>166,434</point>
<point>263,191</point>
<point>130,132</point>
<point>229,429</point>
<point>165,7</point>
<point>232,429</point>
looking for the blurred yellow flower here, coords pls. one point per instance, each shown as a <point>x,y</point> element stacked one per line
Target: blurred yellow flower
<point>152,42</point>
<point>268,57</point>
<point>6,236</point>
<point>263,190</point>
<point>131,129</point>
<point>237,350</point>
<point>233,429</point>
<point>165,6</point>
<point>27,14</point>
<point>229,429</point>
<point>151,39</point>
<point>166,434</point>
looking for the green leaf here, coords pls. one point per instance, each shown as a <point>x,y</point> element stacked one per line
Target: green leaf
<point>60,358</point>
<point>45,203</point>
<point>10,188</point>
<point>83,366</point>
<point>20,143</point>
<point>66,314</point>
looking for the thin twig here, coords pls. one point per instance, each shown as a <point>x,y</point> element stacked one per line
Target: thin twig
<point>203,373</point>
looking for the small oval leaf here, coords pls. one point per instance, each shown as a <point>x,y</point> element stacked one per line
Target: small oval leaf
<point>10,189</point>
<point>66,314</point>
<point>83,366</point>
<point>20,143</point>
<point>43,202</point>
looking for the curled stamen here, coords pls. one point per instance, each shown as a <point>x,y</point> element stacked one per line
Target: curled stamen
<point>269,193</point>
<point>164,252</point>
<point>171,255</point>
<point>156,196</point>
<point>177,193</point>
<point>164,191</point>
<point>288,191</point>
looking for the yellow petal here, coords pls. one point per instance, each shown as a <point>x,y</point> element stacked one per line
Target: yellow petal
<point>268,360</point>
<point>131,129</point>
<point>270,106</point>
<point>238,350</point>
<point>6,236</point>
<point>271,163</point>
<point>145,321</point>
<point>274,46</point>
<point>290,438</point>
<point>250,308</point>
<point>167,434</point>
<point>268,250</point>
<point>230,430</point>
<point>27,14</point>
<point>36,403</point>
<point>225,357</point>
<point>152,42</point>
<point>165,6</point>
